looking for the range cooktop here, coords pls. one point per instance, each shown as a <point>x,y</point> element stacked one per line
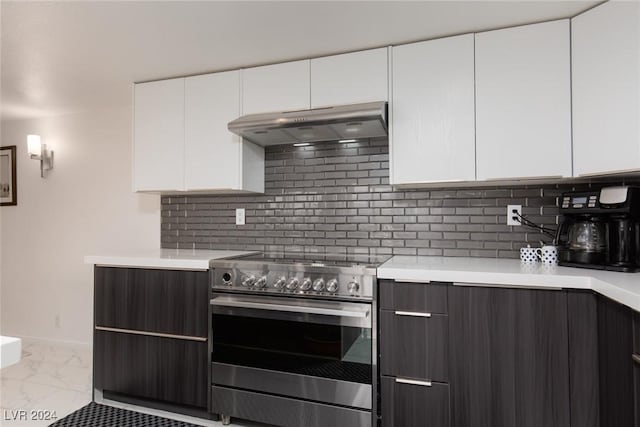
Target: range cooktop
<point>316,259</point>
<point>298,274</point>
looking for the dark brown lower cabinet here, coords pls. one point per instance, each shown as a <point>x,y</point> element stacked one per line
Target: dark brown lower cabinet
<point>615,348</point>
<point>508,357</point>
<point>164,301</point>
<point>414,405</point>
<point>583,359</point>
<point>150,337</point>
<point>414,346</point>
<point>163,369</point>
<point>514,358</point>
<point>636,365</point>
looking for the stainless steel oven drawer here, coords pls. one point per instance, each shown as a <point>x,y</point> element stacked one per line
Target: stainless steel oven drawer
<point>326,390</point>
<point>283,411</point>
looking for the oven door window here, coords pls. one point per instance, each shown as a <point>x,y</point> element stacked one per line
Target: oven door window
<point>299,342</point>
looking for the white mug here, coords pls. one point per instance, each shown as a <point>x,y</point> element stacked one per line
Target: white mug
<point>548,254</point>
<point>529,255</point>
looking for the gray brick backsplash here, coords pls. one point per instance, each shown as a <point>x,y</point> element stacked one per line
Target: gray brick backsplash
<point>335,198</point>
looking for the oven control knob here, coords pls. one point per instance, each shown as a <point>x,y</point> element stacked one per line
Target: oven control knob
<point>262,282</point>
<point>226,279</point>
<point>306,284</point>
<point>318,285</point>
<point>279,284</point>
<point>293,283</point>
<point>249,281</point>
<point>353,287</point>
<point>332,286</point>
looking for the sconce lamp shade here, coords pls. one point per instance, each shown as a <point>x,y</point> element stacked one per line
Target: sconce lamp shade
<point>38,151</point>
<point>34,146</point>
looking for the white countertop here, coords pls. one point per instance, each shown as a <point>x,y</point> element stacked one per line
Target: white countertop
<point>621,287</point>
<point>175,259</point>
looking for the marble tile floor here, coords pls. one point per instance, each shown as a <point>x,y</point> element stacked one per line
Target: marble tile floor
<point>51,376</point>
<point>54,377</point>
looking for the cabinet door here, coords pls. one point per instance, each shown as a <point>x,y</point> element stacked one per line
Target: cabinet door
<point>523,102</point>
<point>615,347</point>
<point>162,301</point>
<point>158,136</point>
<point>165,369</point>
<point>432,112</point>
<point>582,313</point>
<point>419,297</point>
<point>414,346</point>
<point>279,87</point>
<point>636,365</point>
<point>414,405</point>
<point>508,357</point>
<point>349,78</point>
<point>212,153</point>
<point>605,53</point>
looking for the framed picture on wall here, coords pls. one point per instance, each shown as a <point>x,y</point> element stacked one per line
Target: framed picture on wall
<point>8,182</point>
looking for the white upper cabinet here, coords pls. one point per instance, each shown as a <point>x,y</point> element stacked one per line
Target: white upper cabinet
<point>606,89</point>
<point>350,78</point>
<point>213,155</point>
<point>279,87</point>
<point>181,141</point>
<point>158,132</point>
<point>523,102</point>
<point>432,112</point>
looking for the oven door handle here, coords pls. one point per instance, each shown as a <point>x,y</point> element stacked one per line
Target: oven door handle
<point>340,310</point>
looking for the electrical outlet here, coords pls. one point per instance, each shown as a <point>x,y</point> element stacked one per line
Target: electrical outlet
<point>240,216</point>
<point>512,217</point>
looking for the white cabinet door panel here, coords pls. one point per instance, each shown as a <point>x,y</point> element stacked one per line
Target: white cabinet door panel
<point>350,78</point>
<point>279,87</point>
<point>606,88</point>
<point>432,111</point>
<point>212,152</point>
<point>523,102</point>
<point>158,149</point>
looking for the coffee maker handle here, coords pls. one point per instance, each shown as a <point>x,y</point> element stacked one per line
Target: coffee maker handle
<point>562,230</point>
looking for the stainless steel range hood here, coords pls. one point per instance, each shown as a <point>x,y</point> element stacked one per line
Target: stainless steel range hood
<point>321,124</point>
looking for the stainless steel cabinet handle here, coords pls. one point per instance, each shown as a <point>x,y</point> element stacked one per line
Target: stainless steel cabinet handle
<point>413,382</point>
<point>337,309</point>
<point>421,282</point>
<point>636,358</point>
<point>150,334</point>
<point>412,313</point>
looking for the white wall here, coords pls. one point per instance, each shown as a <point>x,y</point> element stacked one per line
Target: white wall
<point>85,206</point>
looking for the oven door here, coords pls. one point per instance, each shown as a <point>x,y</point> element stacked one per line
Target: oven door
<point>314,350</point>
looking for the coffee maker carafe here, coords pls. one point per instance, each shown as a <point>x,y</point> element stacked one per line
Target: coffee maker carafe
<point>601,229</point>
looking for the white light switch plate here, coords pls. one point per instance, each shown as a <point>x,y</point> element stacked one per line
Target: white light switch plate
<point>240,216</point>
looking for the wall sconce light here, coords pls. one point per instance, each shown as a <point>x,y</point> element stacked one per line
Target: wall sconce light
<point>38,151</point>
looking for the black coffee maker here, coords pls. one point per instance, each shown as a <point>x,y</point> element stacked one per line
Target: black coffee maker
<point>601,229</point>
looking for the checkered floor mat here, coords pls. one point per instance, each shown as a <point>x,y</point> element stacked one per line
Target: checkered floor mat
<point>95,415</point>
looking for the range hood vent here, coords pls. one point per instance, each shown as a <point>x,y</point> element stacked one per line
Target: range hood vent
<point>321,124</point>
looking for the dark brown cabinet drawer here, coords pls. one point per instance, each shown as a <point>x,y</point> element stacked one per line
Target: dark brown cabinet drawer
<point>164,369</point>
<point>414,346</point>
<point>414,405</point>
<point>164,301</point>
<point>419,297</point>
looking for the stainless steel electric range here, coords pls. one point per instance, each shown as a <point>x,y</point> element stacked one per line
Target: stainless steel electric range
<point>293,339</point>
